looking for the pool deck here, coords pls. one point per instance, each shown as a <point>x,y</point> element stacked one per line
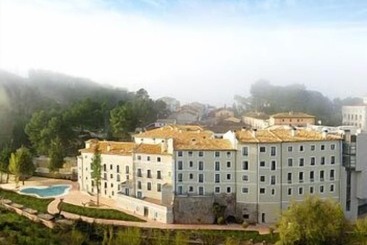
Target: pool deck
<point>81,199</point>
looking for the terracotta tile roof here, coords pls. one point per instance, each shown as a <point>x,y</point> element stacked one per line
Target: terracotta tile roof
<point>188,137</point>
<point>282,135</point>
<point>110,147</point>
<point>292,115</point>
<point>123,148</point>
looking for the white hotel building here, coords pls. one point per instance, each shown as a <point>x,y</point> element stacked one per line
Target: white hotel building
<point>174,174</point>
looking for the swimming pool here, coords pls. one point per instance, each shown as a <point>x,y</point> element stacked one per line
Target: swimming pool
<point>46,191</point>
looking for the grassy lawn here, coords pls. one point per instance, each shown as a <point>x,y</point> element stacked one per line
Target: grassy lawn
<point>27,201</point>
<point>99,213</point>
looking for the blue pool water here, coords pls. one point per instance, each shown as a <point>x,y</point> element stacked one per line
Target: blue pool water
<point>46,191</point>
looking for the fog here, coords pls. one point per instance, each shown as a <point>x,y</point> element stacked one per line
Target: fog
<point>204,51</point>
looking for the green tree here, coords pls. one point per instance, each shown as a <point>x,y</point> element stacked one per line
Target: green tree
<point>4,162</point>
<point>312,221</point>
<point>96,168</point>
<point>56,154</point>
<point>21,164</point>
<point>34,130</point>
<point>360,232</point>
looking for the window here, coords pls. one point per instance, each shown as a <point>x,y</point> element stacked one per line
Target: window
<point>139,185</point>
<point>228,189</point>
<point>262,178</point>
<point>217,189</point>
<point>245,177</point>
<point>273,191</point>
<point>139,157</point>
<point>228,154</point>
<point>244,190</point>
<point>179,167</point>
<point>311,189</point>
<point>180,190</point>
<point>322,175</point>
<point>159,176</point>
<point>245,151</point>
<point>312,176</point>
<point>201,154</point>
<point>201,178</point>
<point>228,176</point>
<point>179,153</point>
<point>159,187</point>
<point>301,162</point>
<point>273,165</point>
<point>332,146</point>
<point>322,147</point>
<point>322,162</point>
<point>228,164</point>
<point>118,178</point>
<point>148,158</point>
<point>289,178</point>
<point>332,160</point>
<point>290,148</point>
<point>332,171</point>
<point>105,184</point>
<point>158,159</point>
<point>262,164</point>
<point>118,169</point>
<point>262,149</point>
<point>179,177</point>
<point>149,186</point>
<point>300,177</point>
<point>190,153</point>
<point>105,176</point>
<point>313,147</point>
<point>272,180</point>
<point>262,190</point>
<point>111,176</point>
<point>273,151</point>
<point>149,174</point>
<point>191,176</point>
<point>217,154</point>
<point>191,164</point>
<point>313,161</point>
<point>331,188</point>
<point>245,165</point>
<point>289,191</point>
<point>290,162</point>
<point>321,189</point>
<point>104,167</point>
<point>201,165</point>
<point>201,190</point>
<point>217,166</point>
<point>139,173</point>
<point>300,191</point>
<point>217,178</point>
<point>191,189</point>
<point>301,148</point>
<point>127,169</point>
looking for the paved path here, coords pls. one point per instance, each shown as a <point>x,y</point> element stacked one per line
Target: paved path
<point>79,198</point>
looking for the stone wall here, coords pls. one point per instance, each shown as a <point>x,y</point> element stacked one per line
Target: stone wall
<point>193,210</point>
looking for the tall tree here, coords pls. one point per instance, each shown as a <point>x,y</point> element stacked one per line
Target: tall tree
<point>56,154</point>
<point>96,168</point>
<point>312,221</point>
<point>21,164</point>
<point>4,162</point>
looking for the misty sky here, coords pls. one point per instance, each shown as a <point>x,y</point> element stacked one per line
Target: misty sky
<point>193,50</point>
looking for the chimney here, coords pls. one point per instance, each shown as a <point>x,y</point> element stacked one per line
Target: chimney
<point>324,133</point>
<point>108,148</point>
<point>293,131</point>
<point>254,132</point>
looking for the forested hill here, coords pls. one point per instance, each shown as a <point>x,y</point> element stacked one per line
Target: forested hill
<point>54,102</point>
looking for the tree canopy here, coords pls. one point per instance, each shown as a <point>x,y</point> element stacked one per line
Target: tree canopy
<point>312,221</point>
<point>21,164</point>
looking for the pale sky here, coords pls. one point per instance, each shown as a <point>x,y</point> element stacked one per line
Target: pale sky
<point>192,50</point>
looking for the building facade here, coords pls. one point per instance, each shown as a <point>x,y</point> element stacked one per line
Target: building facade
<point>355,116</point>
<point>297,119</point>
<point>175,174</point>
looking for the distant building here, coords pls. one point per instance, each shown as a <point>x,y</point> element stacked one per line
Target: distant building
<point>256,120</point>
<point>172,103</point>
<point>185,116</point>
<point>297,119</point>
<point>223,113</point>
<point>356,115</point>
